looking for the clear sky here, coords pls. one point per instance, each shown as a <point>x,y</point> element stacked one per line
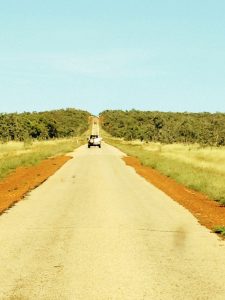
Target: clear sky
<point>166,55</point>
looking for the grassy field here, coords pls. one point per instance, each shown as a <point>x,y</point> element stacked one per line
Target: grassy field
<point>201,169</point>
<point>17,154</point>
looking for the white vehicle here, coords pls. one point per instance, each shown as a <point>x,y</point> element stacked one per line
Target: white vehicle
<point>94,140</point>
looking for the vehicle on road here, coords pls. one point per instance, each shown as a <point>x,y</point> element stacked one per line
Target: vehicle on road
<point>94,140</point>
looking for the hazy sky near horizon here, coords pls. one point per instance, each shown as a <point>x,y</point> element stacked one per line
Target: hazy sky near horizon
<point>166,55</point>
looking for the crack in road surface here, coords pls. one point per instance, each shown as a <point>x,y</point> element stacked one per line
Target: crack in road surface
<point>108,234</point>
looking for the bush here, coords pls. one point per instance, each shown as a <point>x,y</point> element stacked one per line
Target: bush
<point>44,125</point>
<point>188,128</point>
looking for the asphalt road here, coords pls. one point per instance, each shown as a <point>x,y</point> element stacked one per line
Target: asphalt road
<point>97,230</point>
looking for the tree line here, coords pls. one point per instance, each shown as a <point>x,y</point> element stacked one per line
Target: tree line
<point>166,127</point>
<point>43,125</point>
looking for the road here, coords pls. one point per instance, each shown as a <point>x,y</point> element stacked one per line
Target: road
<point>97,230</point>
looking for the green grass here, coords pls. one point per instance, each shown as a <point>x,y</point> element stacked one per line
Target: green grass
<point>18,154</point>
<point>201,169</point>
<point>220,230</point>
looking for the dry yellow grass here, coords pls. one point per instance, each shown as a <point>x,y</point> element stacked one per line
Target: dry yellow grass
<point>206,158</point>
<point>11,147</point>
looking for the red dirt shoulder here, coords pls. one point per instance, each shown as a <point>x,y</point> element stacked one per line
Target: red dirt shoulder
<point>208,212</point>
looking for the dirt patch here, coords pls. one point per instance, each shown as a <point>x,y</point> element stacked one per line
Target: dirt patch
<point>14,187</point>
<point>208,212</point>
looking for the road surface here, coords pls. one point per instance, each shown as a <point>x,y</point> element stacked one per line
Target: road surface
<point>97,230</point>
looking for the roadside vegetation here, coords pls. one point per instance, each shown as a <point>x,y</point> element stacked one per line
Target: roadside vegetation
<point>43,125</point>
<point>188,128</point>
<point>197,168</point>
<point>28,138</point>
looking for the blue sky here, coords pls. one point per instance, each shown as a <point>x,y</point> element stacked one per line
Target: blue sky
<point>145,54</point>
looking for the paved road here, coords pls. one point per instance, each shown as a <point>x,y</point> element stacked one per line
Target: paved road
<point>96,230</point>
<point>95,128</point>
